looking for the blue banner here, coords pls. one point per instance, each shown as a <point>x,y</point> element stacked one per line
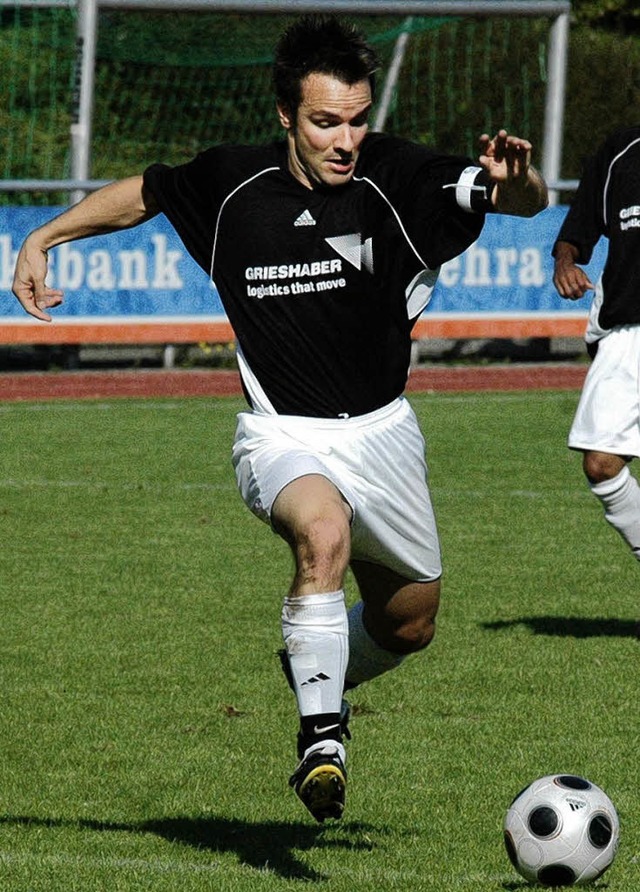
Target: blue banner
<point>146,273</point>
<point>137,274</point>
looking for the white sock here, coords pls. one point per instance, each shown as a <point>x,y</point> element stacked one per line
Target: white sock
<point>367,659</point>
<point>316,636</point>
<point>621,499</point>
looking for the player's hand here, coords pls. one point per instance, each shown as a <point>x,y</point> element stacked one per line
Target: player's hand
<point>505,157</point>
<point>571,281</point>
<point>29,282</point>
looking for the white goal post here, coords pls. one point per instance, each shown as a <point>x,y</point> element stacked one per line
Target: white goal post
<point>87,25</point>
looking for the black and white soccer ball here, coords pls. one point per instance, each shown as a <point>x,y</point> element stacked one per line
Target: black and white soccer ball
<point>561,830</point>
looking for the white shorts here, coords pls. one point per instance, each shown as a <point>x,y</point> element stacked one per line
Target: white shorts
<point>377,462</point>
<point>608,415</point>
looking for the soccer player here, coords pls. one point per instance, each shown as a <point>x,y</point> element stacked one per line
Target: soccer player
<point>325,248</point>
<point>606,426</point>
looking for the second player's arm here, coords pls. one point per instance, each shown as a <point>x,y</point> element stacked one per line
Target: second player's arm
<point>120,205</point>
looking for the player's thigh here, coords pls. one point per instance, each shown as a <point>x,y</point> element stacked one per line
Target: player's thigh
<point>607,419</point>
<point>267,457</point>
<point>394,525</point>
<point>308,503</point>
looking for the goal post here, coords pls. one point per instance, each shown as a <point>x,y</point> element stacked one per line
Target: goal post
<point>435,86</point>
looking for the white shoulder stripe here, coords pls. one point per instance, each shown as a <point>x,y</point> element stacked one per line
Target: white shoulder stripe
<point>229,196</point>
<point>606,185</point>
<point>396,215</point>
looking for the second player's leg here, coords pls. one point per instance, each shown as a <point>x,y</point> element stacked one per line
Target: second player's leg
<point>601,466</point>
<point>611,481</point>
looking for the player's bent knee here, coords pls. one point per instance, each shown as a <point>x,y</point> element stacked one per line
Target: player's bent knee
<point>415,635</point>
<point>408,634</point>
<point>601,466</point>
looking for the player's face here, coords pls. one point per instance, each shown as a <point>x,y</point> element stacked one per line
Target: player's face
<point>324,139</point>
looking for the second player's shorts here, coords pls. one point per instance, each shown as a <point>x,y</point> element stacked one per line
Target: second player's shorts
<point>608,415</point>
<point>377,462</point>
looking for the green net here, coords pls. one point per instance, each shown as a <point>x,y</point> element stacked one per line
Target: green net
<point>168,85</point>
<point>464,77</point>
<point>36,59</point>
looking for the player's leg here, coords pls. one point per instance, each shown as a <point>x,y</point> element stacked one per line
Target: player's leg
<point>395,555</point>
<point>611,481</point>
<point>311,515</point>
<point>606,429</point>
<point>395,617</point>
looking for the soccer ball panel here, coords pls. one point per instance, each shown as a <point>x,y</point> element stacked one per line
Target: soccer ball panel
<point>600,831</point>
<point>572,782</point>
<point>544,821</point>
<point>556,875</point>
<point>561,830</point>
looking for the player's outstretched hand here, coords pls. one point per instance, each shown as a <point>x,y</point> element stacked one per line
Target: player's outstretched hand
<point>505,157</point>
<point>29,282</point>
<point>517,187</point>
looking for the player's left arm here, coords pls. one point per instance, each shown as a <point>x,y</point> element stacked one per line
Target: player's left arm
<point>518,187</point>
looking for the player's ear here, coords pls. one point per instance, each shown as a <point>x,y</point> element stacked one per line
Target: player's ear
<point>285,116</point>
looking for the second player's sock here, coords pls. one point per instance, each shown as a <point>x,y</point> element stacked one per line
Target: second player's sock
<point>620,497</point>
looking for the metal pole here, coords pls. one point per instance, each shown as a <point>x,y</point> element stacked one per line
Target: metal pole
<point>384,7</point>
<point>554,108</point>
<point>83,94</point>
<point>67,185</point>
<point>380,7</point>
<point>393,74</point>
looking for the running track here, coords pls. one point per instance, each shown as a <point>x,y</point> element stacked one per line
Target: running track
<point>38,386</point>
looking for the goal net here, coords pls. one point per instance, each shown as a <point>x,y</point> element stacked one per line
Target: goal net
<point>168,85</point>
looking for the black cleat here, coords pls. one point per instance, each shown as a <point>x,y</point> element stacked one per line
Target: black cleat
<point>320,781</point>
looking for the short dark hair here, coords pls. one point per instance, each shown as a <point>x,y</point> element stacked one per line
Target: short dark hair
<point>320,44</point>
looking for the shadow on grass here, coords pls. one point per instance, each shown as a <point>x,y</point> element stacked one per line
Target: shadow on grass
<point>269,846</point>
<point>571,627</point>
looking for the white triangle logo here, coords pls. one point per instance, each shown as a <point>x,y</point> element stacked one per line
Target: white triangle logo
<point>350,248</point>
<point>305,219</point>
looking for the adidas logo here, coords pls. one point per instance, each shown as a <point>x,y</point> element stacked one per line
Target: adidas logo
<point>315,679</point>
<point>305,219</point>
<point>576,804</point>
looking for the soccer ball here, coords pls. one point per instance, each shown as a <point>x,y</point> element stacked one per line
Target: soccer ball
<point>561,830</point>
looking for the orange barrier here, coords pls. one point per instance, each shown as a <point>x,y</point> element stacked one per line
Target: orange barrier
<point>530,326</point>
<point>34,332</point>
<point>443,326</point>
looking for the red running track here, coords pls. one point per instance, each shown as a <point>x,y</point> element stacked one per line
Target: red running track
<point>38,386</point>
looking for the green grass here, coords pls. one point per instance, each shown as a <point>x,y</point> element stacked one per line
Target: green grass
<point>146,735</point>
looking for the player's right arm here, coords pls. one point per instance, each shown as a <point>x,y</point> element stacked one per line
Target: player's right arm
<point>571,280</point>
<point>120,205</point>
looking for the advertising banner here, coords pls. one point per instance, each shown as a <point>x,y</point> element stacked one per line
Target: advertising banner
<point>141,285</point>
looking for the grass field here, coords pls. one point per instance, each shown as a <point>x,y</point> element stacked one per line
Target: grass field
<point>146,734</point>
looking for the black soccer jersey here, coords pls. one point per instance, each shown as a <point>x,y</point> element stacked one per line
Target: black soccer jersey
<point>322,286</point>
<point>607,203</point>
